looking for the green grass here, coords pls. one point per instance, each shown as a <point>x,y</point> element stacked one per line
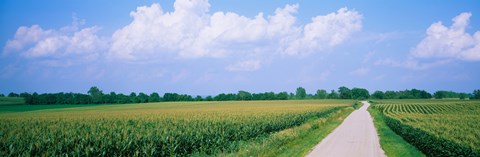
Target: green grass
<point>11,101</point>
<point>296,141</point>
<point>391,143</point>
<point>27,108</point>
<point>161,129</point>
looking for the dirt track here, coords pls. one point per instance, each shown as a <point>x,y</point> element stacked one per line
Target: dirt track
<point>356,136</point>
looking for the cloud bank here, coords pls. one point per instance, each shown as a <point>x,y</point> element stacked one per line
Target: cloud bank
<point>35,42</point>
<point>450,42</point>
<point>191,31</point>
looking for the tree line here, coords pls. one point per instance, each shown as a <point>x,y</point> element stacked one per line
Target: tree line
<point>96,96</point>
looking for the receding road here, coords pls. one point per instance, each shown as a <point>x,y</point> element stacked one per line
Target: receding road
<point>356,136</point>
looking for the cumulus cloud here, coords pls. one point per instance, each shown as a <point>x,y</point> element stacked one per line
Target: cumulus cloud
<point>190,31</point>
<point>248,65</point>
<point>450,42</point>
<point>35,41</point>
<point>326,31</point>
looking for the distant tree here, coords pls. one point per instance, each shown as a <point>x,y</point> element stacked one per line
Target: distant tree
<point>96,94</point>
<point>291,96</point>
<point>301,93</point>
<point>463,96</point>
<point>270,96</point>
<point>476,94</point>
<point>1,95</point>
<point>344,93</point>
<point>333,95</point>
<point>70,98</point>
<point>12,94</point>
<point>142,97</point>
<point>134,98</point>
<point>113,98</point>
<point>440,94</point>
<point>177,97</point>
<point>198,98</point>
<point>390,95</point>
<point>425,95</point>
<point>244,95</point>
<point>154,97</point>
<point>378,95</point>
<point>321,94</point>
<point>27,97</point>
<point>359,93</point>
<point>123,99</point>
<point>60,98</point>
<point>170,97</point>
<point>282,96</point>
<point>220,97</point>
<point>209,98</point>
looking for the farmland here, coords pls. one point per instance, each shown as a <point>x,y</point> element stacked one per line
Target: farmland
<point>11,101</point>
<point>435,127</point>
<point>154,129</point>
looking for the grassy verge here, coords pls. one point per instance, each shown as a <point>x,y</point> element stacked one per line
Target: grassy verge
<point>392,144</point>
<point>296,141</point>
<point>11,101</point>
<point>357,105</point>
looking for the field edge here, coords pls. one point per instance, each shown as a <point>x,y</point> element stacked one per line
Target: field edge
<point>392,144</point>
<point>296,141</point>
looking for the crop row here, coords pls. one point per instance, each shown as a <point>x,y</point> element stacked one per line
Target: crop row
<point>145,132</point>
<point>444,129</point>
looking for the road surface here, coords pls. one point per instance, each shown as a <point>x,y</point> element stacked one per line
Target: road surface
<point>356,136</point>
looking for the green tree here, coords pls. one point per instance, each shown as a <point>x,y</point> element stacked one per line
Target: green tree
<point>321,94</point>
<point>301,93</point>
<point>198,98</point>
<point>244,95</point>
<point>440,94</point>
<point>360,93</point>
<point>378,95</point>
<point>154,97</point>
<point>282,96</point>
<point>344,93</point>
<point>143,98</point>
<point>12,94</point>
<point>390,95</point>
<point>134,98</point>
<point>476,94</point>
<point>113,98</point>
<point>463,96</point>
<point>333,95</point>
<point>96,95</point>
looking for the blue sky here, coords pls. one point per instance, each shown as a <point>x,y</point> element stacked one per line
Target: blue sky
<point>210,47</point>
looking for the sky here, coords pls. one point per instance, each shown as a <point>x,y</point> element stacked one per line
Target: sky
<point>209,47</point>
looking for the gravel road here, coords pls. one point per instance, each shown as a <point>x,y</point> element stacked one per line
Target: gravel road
<point>356,136</point>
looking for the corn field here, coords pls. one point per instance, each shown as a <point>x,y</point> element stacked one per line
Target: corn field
<point>158,129</point>
<point>437,128</point>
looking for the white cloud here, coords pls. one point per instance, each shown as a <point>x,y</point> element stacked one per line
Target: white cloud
<point>326,31</point>
<point>248,65</point>
<point>153,32</point>
<point>34,41</point>
<point>360,71</point>
<point>450,42</point>
<point>190,31</point>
